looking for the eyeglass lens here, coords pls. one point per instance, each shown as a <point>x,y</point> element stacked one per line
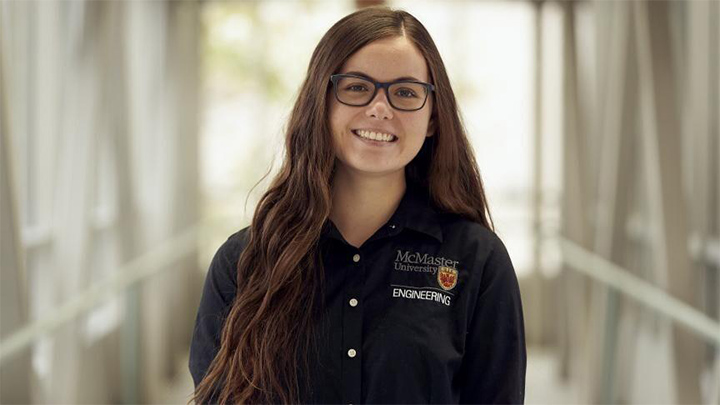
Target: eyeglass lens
<point>403,95</point>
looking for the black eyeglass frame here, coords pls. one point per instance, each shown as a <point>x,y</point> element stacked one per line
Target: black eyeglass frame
<point>380,85</point>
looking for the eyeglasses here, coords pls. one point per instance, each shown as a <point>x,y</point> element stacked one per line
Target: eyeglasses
<point>359,91</point>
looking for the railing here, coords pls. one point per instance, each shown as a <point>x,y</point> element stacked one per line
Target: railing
<point>136,270</point>
<point>614,276</point>
<point>580,259</point>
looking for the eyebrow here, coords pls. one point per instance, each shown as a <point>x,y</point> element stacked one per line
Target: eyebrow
<point>370,77</point>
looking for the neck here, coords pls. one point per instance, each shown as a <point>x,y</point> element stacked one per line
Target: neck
<point>362,204</point>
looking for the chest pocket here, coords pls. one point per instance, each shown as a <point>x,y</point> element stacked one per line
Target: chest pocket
<point>410,291</point>
<point>417,336</point>
<point>424,300</point>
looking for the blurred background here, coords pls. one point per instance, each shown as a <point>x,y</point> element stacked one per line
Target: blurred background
<point>132,134</point>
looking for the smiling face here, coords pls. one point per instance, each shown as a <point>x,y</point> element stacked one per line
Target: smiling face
<point>383,60</point>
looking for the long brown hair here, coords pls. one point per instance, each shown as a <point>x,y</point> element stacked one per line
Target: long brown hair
<point>267,333</point>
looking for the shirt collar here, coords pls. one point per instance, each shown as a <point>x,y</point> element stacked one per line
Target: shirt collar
<point>414,212</point>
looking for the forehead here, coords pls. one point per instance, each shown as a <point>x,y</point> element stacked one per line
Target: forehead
<point>388,59</point>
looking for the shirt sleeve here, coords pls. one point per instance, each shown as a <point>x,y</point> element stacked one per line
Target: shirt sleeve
<point>218,294</point>
<point>494,363</point>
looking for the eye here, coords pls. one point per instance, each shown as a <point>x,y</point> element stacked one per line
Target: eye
<point>356,87</point>
<point>406,93</point>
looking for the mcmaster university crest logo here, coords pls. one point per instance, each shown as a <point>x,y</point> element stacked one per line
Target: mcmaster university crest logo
<point>447,277</point>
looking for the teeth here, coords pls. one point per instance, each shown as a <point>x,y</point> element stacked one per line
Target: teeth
<point>376,136</point>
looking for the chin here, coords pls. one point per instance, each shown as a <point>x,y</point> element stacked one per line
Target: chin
<point>374,171</point>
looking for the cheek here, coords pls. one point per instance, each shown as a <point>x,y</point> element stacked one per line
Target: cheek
<point>420,127</point>
<point>338,118</point>
<point>332,115</point>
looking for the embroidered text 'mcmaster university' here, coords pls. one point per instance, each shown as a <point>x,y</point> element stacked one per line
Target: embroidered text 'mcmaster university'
<point>424,258</point>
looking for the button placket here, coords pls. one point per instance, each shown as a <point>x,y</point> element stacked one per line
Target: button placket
<point>352,329</point>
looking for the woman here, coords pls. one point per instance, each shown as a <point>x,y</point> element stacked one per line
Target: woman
<point>370,271</point>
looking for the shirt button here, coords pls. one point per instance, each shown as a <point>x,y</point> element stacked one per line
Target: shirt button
<point>352,353</point>
<point>353,302</point>
<point>356,258</point>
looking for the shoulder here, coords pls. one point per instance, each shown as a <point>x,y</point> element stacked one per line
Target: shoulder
<point>224,262</point>
<point>480,248</point>
<point>236,241</point>
<point>469,235</point>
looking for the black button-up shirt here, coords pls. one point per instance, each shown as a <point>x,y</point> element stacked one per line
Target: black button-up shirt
<point>427,310</point>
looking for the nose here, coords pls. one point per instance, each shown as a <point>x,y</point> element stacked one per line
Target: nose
<point>379,107</point>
